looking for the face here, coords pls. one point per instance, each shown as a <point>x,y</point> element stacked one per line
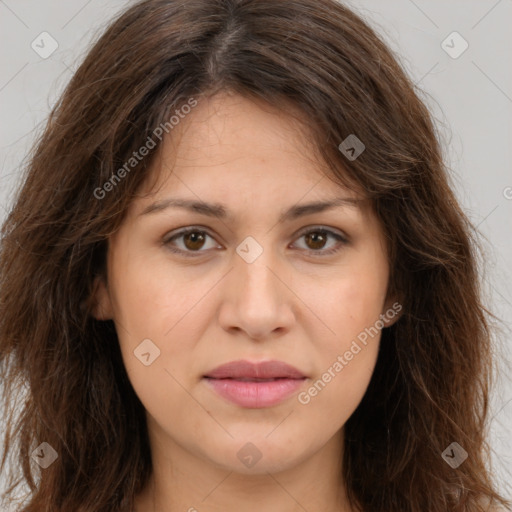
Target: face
<point>257,278</point>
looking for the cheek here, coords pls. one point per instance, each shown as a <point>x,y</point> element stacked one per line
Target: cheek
<point>151,297</point>
<point>352,304</point>
<point>351,310</point>
<point>154,302</point>
<point>151,312</point>
<point>348,355</point>
<point>335,394</point>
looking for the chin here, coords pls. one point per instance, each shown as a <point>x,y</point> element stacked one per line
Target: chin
<point>256,455</point>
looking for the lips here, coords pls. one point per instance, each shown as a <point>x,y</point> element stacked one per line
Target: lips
<point>268,370</point>
<point>255,385</point>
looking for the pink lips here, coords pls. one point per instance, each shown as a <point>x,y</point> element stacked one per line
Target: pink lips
<point>255,385</point>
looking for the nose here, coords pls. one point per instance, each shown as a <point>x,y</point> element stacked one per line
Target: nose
<point>257,299</point>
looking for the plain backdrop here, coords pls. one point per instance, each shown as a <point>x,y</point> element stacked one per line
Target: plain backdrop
<point>463,76</point>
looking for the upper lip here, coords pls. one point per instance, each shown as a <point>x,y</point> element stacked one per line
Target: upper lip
<point>262,370</point>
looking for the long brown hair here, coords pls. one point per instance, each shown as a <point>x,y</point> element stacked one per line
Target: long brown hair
<point>62,372</point>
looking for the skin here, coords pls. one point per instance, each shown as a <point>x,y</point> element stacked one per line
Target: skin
<point>290,304</point>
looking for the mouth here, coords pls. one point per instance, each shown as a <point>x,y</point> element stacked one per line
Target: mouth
<point>249,379</point>
<point>261,370</point>
<point>255,385</point>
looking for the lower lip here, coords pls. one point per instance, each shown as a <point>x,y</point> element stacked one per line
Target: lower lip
<point>255,394</point>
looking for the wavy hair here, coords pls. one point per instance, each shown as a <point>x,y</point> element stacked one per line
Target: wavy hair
<point>63,378</point>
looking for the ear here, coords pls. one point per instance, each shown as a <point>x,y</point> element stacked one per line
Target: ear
<point>100,300</point>
<point>392,311</point>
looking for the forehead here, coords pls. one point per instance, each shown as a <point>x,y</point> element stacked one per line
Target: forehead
<point>233,150</point>
<point>227,126</point>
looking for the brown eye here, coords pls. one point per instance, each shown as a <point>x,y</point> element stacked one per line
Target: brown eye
<point>194,241</point>
<point>317,239</point>
<point>191,240</point>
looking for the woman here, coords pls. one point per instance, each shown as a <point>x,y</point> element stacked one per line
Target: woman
<point>189,337</point>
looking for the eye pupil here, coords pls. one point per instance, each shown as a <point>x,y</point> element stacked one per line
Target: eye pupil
<point>195,237</point>
<point>316,236</point>
<point>193,241</point>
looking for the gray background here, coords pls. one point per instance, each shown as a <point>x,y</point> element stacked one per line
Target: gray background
<point>470,96</point>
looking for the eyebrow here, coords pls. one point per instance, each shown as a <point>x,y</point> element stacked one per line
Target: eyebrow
<point>219,211</point>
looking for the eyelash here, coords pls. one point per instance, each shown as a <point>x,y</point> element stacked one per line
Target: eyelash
<point>343,241</point>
